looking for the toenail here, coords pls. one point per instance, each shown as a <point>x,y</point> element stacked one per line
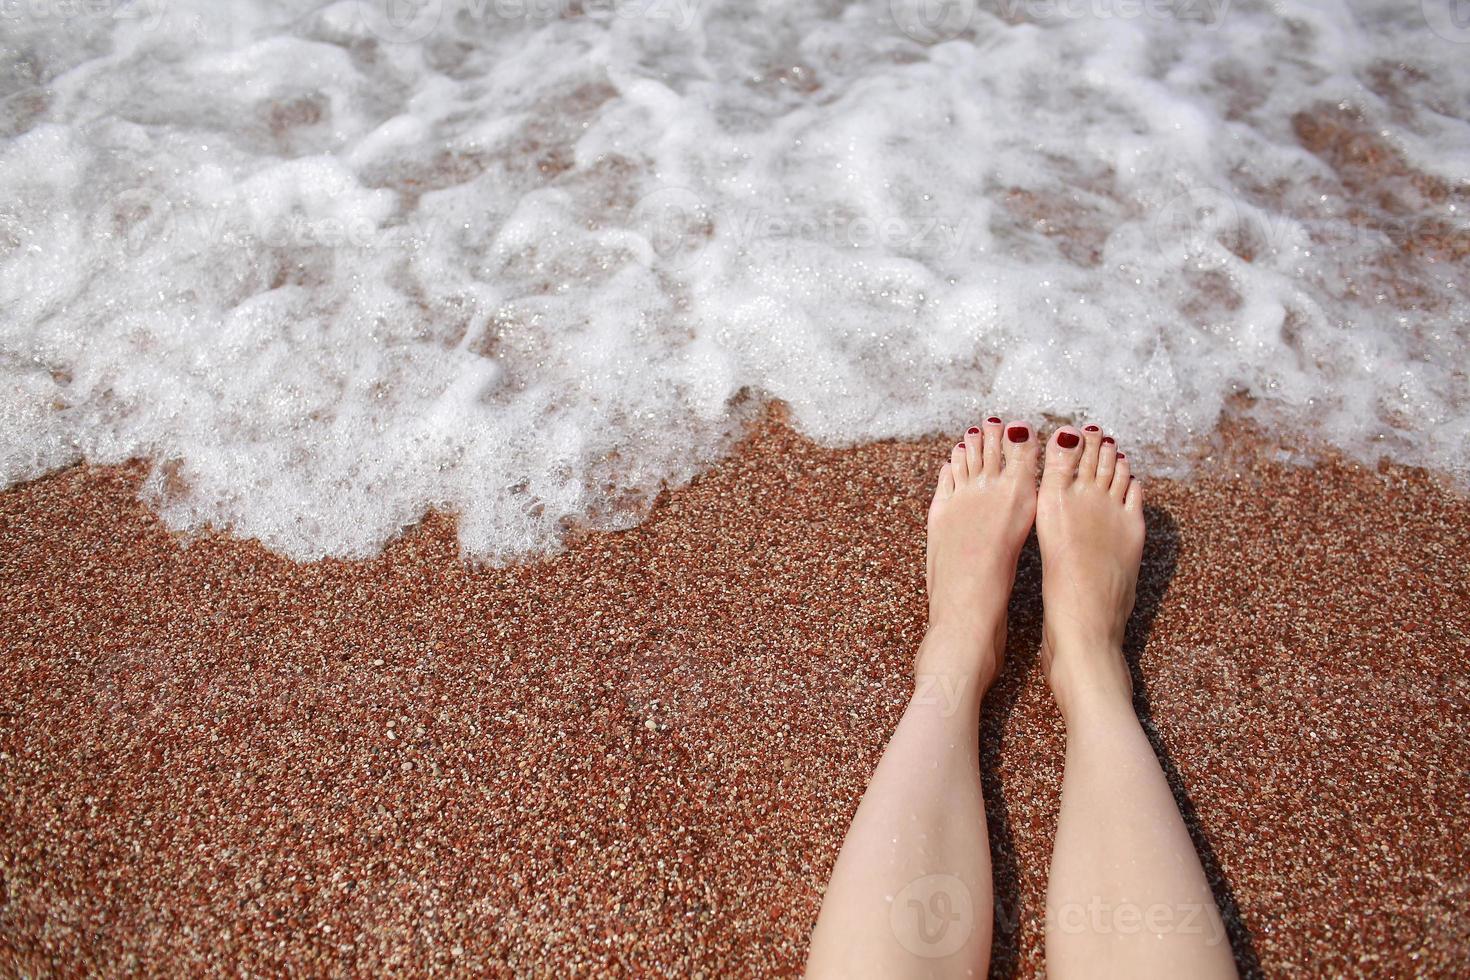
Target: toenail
<point>1109,440</point>
<point>993,420</point>
<point>1090,428</point>
<point>1067,439</point>
<point>1018,433</point>
<point>959,445</point>
<point>1121,456</point>
<point>973,430</point>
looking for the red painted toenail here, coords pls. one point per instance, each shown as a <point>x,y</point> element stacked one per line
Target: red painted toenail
<point>959,445</point>
<point>973,430</point>
<point>1121,456</point>
<point>1108,439</point>
<point>993,420</point>
<point>1067,439</point>
<point>1018,433</point>
<point>1090,428</point>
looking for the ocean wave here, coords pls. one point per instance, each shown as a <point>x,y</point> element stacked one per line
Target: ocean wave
<point>530,261</point>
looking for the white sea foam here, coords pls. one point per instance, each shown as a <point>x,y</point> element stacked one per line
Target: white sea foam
<point>330,266</point>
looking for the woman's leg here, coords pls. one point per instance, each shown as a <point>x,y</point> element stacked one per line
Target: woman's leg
<point>910,894</point>
<point>1127,895</point>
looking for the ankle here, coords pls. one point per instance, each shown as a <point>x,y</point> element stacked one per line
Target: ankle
<point>960,656</point>
<point>974,632</point>
<point>1089,680</point>
<point>1096,706</point>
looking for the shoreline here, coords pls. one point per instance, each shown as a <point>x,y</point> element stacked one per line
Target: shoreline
<point>643,752</point>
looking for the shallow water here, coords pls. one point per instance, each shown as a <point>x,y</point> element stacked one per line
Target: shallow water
<point>528,262</point>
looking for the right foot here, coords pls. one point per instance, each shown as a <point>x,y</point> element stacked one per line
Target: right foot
<point>1089,525</point>
<point>978,520</point>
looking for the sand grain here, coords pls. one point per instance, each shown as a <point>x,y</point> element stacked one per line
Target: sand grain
<point>641,755</point>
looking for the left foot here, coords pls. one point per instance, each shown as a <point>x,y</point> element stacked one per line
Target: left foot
<point>981,513</point>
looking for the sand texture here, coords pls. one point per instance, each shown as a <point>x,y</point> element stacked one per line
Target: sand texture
<point>640,756</point>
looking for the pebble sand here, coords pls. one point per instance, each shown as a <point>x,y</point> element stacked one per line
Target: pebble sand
<point>640,756</point>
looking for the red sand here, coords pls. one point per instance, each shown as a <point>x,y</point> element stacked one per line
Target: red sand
<point>640,756</point>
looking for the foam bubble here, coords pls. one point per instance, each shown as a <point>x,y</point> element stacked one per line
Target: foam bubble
<point>328,267</point>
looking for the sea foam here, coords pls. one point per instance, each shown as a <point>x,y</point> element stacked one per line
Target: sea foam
<point>330,266</point>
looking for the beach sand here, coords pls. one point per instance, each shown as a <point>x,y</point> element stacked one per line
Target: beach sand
<point>640,756</point>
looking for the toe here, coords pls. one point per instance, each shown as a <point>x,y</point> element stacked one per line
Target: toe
<point>1121,477</point>
<point>945,488</point>
<point>959,464</point>
<point>1133,499</point>
<point>974,451</point>
<point>991,436</point>
<point>1020,450</point>
<point>1062,454</point>
<point>1107,457</point>
<point>1091,440</point>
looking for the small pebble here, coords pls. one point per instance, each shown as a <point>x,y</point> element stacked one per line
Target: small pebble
<point>1305,670</point>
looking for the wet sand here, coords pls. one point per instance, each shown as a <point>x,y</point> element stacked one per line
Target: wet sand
<point>640,756</point>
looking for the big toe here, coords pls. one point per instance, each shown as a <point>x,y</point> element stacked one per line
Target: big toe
<point>1063,453</point>
<point>1020,452</point>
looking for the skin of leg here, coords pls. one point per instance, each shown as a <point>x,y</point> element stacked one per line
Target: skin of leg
<point>911,893</point>
<point>1127,896</point>
<point>918,839</point>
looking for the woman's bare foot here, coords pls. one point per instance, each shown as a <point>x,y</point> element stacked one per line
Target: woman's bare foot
<point>911,892</point>
<point>1120,840</point>
<point>1089,524</point>
<point>981,513</point>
